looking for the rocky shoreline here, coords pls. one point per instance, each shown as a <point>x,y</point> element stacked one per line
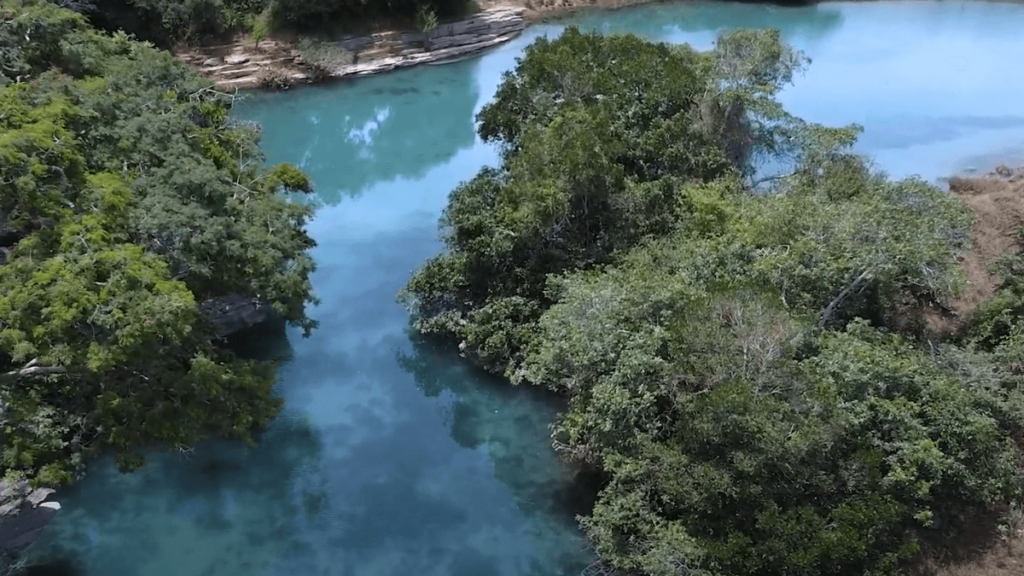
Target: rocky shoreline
<point>447,42</point>
<point>240,66</point>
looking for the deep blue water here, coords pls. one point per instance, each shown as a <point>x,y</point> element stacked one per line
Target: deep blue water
<point>392,456</point>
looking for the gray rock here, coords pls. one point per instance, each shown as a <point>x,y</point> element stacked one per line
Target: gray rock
<point>24,513</point>
<point>211,61</point>
<point>25,528</point>
<point>232,313</point>
<point>37,496</point>
<point>446,43</point>
<point>236,59</point>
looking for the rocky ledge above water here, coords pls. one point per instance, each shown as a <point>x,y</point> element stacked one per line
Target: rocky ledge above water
<point>243,65</point>
<point>24,512</point>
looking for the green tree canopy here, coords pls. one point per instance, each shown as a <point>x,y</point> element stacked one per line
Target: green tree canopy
<point>126,200</point>
<point>168,22</point>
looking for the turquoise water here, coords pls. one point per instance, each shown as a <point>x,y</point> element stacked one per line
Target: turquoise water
<point>393,457</point>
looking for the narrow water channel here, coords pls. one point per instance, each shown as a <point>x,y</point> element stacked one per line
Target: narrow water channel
<point>393,457</point>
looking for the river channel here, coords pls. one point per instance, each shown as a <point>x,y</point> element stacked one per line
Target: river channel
<point>394,457</point>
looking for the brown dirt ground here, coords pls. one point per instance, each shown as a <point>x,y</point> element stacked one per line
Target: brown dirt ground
<point>997,202</point>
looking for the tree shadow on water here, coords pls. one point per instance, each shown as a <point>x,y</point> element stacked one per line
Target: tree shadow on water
<point>512,424</point>
<point>266,341</point>
<point>224,506</point>
<point>348,136</point>
<point>57,567</point>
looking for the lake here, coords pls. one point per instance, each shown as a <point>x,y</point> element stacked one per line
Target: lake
<point>393,456</point>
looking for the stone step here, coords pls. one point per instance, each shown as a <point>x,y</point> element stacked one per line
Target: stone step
<point>273,61</point>
<point>244,81</point>
<point>376,53</point>
<point>240,71</point>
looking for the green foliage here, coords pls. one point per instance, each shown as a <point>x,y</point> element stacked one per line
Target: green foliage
<point>742,360</point>
<point>169,22</point>
<point>305,12</point>
<point>599,156</point>
<point>126,200</point>
<point>259,27</point>
<point>842,227</point>
<point>321,56</point>
<point>426,19</point>
<point>995,322</point>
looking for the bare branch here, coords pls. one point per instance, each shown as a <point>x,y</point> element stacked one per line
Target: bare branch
<point>33,369</point>
<point>831,308</point>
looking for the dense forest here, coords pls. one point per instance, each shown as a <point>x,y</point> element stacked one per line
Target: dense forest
<point>128,199</point>
<point>167,22</point>
<point>737,307</point>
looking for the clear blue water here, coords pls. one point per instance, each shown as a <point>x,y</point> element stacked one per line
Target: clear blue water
<point>393,457</point>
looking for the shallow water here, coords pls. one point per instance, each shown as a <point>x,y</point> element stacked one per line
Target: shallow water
<point>394,457</point>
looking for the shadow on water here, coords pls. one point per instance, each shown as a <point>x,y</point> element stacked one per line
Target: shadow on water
<point>60,567</point>
<point>267,341</point>
<point>454,479</point>
<point>479,416</point>
<point>354,134</point>
<point>231,507</point>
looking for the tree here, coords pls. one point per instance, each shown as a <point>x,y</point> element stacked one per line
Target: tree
<point>598,154</point>
<point>127,199</point>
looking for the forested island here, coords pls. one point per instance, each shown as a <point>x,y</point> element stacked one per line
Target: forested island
<point>752,325</point>
<point>756,361</point>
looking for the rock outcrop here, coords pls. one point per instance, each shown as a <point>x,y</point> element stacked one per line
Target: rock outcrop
<point>446,43</point>
<point>243,65</point>
<point>24,512</point>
